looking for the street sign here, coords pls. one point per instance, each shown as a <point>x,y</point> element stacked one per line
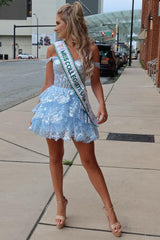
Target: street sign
<point>107,33</point>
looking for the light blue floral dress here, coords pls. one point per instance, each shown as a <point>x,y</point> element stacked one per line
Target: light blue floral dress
<point>60,114</point>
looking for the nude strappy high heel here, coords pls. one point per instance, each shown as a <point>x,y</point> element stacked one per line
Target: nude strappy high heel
<point>116,227</point>
<point>59,217</point>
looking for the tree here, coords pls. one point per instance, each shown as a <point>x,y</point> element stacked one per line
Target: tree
<point>5,2</point>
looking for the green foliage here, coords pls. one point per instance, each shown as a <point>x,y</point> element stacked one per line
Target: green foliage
<point>5,2</point>
<point>67,162</point>
<point>142,65</point>
<point>116,78</point>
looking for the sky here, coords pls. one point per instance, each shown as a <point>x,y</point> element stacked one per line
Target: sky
<point>119,5</point>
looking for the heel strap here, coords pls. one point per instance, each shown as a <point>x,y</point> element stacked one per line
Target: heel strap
<point>107,210</point>
<point>63,200</point>
<point>59,217</point>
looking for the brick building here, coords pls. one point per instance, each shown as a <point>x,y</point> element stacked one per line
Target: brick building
<point>150,34</point>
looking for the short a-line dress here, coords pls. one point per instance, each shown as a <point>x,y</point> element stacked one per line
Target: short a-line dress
<point>60,114</point>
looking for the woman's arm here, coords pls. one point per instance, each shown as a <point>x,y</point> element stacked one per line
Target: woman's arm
<point>49,79</point>
<point>97,87</point>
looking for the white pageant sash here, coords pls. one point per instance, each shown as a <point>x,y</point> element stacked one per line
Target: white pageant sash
<point>74,77</point>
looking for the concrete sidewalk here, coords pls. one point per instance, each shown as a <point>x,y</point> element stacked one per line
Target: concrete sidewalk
<point>131,170</point>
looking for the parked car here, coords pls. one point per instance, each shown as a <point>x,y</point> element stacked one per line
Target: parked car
<point>125,58</point>
<point>108,65</point>
<point>25,56</point>
<point>118,62</point>
<point>121,59</point>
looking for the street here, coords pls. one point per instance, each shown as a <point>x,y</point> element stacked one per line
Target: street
<point>22,80</point>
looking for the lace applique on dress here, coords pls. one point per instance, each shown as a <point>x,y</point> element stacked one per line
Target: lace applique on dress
<point>60,114</point>
<point>49,59</point>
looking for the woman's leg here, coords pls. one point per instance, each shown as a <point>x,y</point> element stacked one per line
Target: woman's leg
<point>88,159</point>
<point>56,152</point>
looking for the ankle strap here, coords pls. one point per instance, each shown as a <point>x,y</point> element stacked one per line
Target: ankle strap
<point>63,200</point>
<point>108,209</point>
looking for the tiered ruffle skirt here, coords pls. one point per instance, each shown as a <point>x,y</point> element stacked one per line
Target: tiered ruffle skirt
<point>60,115</point>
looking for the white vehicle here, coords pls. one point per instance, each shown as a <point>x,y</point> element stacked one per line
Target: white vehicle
<point>25,56</point>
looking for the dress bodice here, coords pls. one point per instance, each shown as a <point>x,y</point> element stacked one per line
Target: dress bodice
<point>60,79</point>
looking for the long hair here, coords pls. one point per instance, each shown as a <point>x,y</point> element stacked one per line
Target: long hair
<point>76,28</point>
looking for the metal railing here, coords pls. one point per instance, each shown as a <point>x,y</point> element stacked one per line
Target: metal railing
<point>152,69</point>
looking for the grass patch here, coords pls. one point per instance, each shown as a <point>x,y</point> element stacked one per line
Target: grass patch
<point>119,74</point>
<point>142,65</point>
<point>67,162</point>
<point>116,78</point>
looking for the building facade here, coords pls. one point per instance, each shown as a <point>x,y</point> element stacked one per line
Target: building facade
<point>90,7</point>
<point>34,12</point>
<point>150,34</point>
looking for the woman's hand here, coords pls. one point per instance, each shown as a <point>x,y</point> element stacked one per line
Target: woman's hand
<point>102,114</point>
<point>32,117</point>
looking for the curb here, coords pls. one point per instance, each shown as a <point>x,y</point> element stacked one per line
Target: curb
<point>20,60</point>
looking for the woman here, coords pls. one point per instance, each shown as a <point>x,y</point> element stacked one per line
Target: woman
<point>64,113</point>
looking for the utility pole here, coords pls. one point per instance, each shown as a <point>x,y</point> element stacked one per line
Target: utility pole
<point>130,54</point>
<point>37,32</point>
<point>14,42</point>
<point>117,34</point>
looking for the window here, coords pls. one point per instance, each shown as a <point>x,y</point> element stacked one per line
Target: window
<point>29,8</point>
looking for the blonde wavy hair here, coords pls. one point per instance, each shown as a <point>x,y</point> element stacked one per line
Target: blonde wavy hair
<point>76,28</point>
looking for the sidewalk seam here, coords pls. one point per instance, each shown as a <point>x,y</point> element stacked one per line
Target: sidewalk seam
<point>29,162</point>
<point>46,206</point>
<point>109,92</point>
<point>102,230</point>
<point>28,149</point>
<point>126,168</point>
<point>21,101</point>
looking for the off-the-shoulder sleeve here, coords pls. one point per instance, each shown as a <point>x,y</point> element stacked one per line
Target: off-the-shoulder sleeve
<point>48,59</point>
<point>96,64</point>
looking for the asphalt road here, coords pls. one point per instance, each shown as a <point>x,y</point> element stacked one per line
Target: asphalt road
<point>22,80</point>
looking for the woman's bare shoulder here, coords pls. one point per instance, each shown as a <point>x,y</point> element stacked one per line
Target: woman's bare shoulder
<point>94,48</point>
<point>95,51</point>
<point>51,51</point>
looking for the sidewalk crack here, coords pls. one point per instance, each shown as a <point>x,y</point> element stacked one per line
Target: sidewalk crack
<point>102,230</point>
<point>20,146</point>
